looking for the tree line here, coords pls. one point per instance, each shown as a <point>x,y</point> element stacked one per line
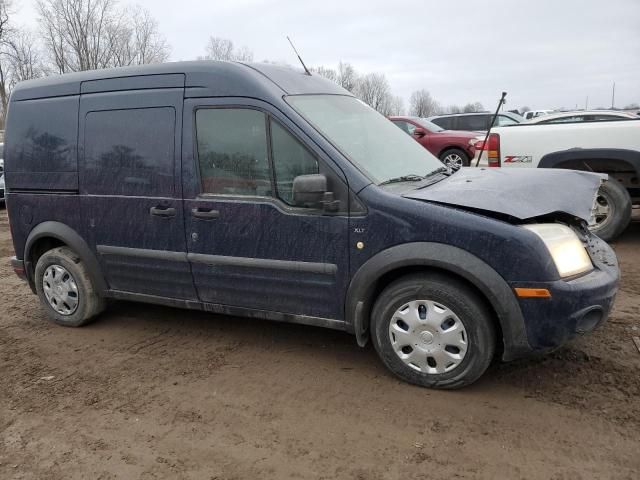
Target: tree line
<point>76,35</point>
<point>374,89</point>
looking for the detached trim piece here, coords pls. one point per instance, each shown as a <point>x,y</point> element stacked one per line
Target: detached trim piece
<point>221,260</point>
<point>142,253</point>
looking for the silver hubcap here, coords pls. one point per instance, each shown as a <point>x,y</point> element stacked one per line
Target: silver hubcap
<point>428,336</point>
<point>601,213</point>
<point>454,161</point>
<point>60,289</point>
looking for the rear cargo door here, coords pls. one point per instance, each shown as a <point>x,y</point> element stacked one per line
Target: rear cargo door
<point>129,139</point>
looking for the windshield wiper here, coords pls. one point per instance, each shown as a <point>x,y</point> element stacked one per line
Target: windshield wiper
<point>438,171</point>
<point>404,178</point>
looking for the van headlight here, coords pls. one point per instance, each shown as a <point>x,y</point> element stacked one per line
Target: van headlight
<point>565,248</point>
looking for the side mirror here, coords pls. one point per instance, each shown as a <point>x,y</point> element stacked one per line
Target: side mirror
<point>309,190</point>
<point>419,132</point>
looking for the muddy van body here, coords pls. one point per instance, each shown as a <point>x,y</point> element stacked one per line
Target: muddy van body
<point>256,190</point>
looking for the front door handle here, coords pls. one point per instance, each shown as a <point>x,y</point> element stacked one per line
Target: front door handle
<point>205,214</point>
<point>163,211</point>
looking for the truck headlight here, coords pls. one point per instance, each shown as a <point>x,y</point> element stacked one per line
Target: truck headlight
<point>565,248</point>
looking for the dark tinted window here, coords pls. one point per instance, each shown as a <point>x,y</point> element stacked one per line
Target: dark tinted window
<point>44,134</point>
<point>473,122</point>
<point>232,151</point>
<point>572,119</point>
<point>129,152</point>
<point>446,123</point>
<point>290,159</point>
<point>603,118</point>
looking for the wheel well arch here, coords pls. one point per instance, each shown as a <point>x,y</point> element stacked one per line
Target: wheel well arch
<point>620,164</point>
<point>393,263</point>
<point>40,246</point>
<point>453,147</point>
<point>48,235</point>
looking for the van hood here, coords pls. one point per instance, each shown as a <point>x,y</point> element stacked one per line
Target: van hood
<point>521,193</point>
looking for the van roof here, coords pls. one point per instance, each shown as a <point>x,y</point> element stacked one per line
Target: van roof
<point>200,79</point>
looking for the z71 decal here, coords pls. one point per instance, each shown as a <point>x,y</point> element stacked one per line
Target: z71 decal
<point>517,159</point>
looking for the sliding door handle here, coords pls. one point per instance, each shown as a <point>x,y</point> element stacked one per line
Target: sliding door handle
<point>166,212</point>
<point>205,214</point>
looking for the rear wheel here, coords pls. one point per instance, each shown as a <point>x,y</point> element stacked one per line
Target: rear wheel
<point>65,288</point>
<point>454,158</point>
<point>433,331</point>
<point>612,212</point>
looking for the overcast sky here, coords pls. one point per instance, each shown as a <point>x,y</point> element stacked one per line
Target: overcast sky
<point>544,53</point>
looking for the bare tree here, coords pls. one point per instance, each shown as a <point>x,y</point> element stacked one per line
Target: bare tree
<point>328,73</point>
<point>422,104</point>
<point>396,105</point>
<point>347,77</point>
<point>473,107</point>
<point>5,34</point>
<point>223,49</point>
<point>453,109</point>
<point>24,58</point>
<point>138,41</point>
<point>524,110</point>
<point>91,34</point>
<point>373,89</point>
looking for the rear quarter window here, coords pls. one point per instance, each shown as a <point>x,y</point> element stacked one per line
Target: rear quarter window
<point>129,152</point>
<point>41,135</point>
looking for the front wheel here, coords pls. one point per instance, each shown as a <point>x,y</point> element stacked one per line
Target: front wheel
<point>454,158</point>
<point>612,212</point>
<point>433,331</point>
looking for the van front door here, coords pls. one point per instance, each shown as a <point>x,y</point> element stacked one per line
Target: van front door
<point>250,245</point>
<point>130,185</point>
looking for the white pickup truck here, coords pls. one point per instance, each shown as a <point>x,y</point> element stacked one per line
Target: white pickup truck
<point>603,147</point>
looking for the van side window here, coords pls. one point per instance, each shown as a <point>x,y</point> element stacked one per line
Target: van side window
<point>474,122</point>
<point>232,151</point>
<point>290,159</point>
<point>130,152</point>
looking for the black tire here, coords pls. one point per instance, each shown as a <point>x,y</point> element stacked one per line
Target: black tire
<point>89,303</point>
<point>455,151</point>
<point>619,201</point>
<point>463,302</point>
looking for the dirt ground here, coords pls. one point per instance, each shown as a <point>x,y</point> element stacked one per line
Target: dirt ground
<point>151,392</point>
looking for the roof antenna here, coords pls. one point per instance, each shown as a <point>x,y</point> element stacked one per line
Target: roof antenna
<point>303,65</point>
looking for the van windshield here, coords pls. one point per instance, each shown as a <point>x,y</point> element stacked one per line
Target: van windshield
<point>366,138</point>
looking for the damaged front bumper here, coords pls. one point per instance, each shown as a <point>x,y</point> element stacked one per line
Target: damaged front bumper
<point>577,305</point>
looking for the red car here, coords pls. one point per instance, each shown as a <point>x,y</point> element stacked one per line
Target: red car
<point>453,147</point>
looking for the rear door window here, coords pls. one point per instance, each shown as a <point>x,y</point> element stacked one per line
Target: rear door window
<point>130,152</point>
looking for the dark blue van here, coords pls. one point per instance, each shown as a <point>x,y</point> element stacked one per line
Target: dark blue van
<point>257,190</point>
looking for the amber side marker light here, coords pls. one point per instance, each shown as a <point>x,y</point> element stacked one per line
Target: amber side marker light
<point>532,292</point>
